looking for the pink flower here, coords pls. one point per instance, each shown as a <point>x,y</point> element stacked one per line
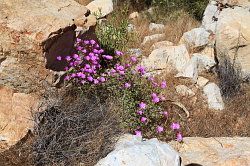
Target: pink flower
<point>153,95</point>
<point>141,70</point>
<point>120,67</point>
<point>143,119</point>
<point>68,58</point>
<point>159,129</point>
<point>142,105</point>
<point>92,42</point>
<point>138,133</point>
<point>66,68</point>
<point>179,137</point>
<point>102,79</point>
<point>118,53</point>
<point>75,56</point>
<point>67,78</point>
<point>165,114</point>
<point>78,40</point>
<point>96,81</point>
<point>156,100</point>
<point>86,41</point>
<point>101,51</point>
<point>90,79</point>
<point>133,59</point>
<point>163,84</point>
<point>79,48</point>
<point>97,46</point>
<point>140,112</point>
<point>122,72</point>
<point>175,126</point>
<point>108,57</point>
<point>127,85</point>
<point>59,58</point>
<point>87,58</point>
<point>151,78</point>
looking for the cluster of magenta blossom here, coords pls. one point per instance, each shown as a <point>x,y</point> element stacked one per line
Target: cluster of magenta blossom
<point>86,66</point>
<point>90,65</point>
<point>156,99</point>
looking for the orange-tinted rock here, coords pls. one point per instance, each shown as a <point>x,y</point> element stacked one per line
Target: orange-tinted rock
<point>16,114</point>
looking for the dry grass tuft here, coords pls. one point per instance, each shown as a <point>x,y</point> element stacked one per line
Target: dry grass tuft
<point>234,120</point>
<point>176,25</point>
<point>75,129</point>
<point>176,28</point>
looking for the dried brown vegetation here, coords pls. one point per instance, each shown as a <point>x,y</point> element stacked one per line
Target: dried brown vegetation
<point>234,120</point>
<point>75,129</point>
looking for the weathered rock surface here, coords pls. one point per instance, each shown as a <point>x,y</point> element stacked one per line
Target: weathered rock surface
<point>201,81</point>
<point>132,151</point>
<point>100,7</point>
<point>183,90</point>
<point>214,99</point>
<point>222,151</point>
<point>161,44</point>
<point>233,35</point>
<point>152,38</point>
<point>15,114</point>
<point>197,37</point>
<point>135,52</point>
<point>156,27</point>
<point>196,65</point>
<point>168,58</point>
<point>242,3</point>
<point>25,24</point>
<point>23,74</point>
<point>210,12</point>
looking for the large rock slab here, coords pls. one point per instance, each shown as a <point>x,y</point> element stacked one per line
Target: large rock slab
<point>213,94</point>
<point>25,24</point>
<point>15,114</point>
<point>233,36</point>
<point>167,58</point>
<point>132,151</point>
<point>221,151</point>
<point>26,74</point>
<point>196,37</point>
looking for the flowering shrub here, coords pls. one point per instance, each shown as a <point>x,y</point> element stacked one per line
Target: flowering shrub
<point>140,95</point>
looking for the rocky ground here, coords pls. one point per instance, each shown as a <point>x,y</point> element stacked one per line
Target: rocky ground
<point>30,29</point>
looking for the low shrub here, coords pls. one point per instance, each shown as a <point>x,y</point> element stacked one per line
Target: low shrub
<point>113,33</point>
<point>230,77</point>
<point>139,96</point>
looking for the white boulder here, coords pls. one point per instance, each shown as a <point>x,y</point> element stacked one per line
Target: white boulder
<point>100,7</point>
<point>168,58</point>
<point>233,36</point>
<point>213,94</point>
<point>197,37</point>
<point>197,63</point>
<point>132,151</point>
<point>156,27</point>
<point>210,13</point>
<point>161,44</point>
